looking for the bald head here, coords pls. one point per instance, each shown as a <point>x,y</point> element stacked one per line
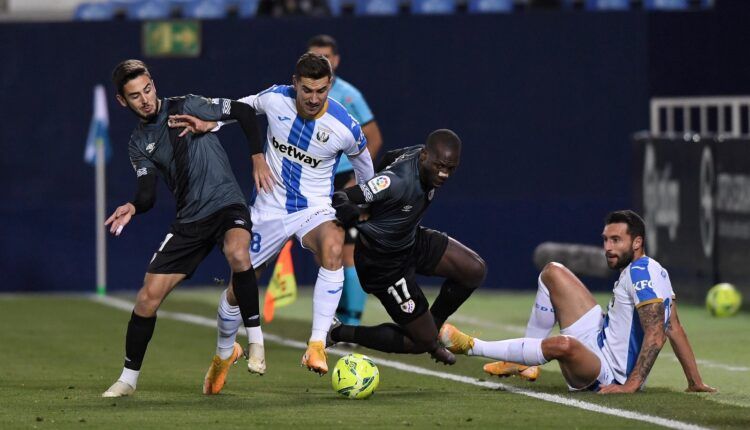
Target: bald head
<point>439,158</point>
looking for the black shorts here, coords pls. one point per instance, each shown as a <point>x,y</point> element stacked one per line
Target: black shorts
<point>186,245</point>
<point>391,277</point>
<point>339,183</point>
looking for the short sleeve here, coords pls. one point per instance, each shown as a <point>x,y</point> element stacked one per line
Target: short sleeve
<point>383,186</point>
<point>141,164</point>
<point>207,109</point>
<point>359,108</point>
<point>643,289</point>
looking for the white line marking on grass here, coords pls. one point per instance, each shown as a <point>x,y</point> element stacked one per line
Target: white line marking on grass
<point>521,330</point>
<point>553,398</point>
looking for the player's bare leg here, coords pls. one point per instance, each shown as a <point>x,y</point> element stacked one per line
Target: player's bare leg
<point>464,271</point>
<point>155,289</point>
<point>560,296</point>
<point>326,241</point>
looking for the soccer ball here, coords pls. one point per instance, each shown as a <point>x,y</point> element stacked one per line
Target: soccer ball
<point>355,376</point>
<point>723,300</point>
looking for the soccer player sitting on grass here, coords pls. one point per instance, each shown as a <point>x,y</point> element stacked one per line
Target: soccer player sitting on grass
<point>609,353</point>
<point>392,247</point>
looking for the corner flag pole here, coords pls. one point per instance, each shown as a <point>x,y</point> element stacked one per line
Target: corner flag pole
<point>97,153</point>
<point>101,206</point>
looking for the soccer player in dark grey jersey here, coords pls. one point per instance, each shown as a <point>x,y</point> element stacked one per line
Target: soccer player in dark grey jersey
<point>211,210</point>
<point>393,247</point>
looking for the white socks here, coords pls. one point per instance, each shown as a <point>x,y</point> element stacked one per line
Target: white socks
<point>228,321</point>
<point>326,297</point>
<point>129,376</point>
<point>525,350</point>
<point>542,318</point>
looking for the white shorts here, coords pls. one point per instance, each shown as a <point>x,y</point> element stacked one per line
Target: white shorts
<point>272,230</point>
<point>586,329</point>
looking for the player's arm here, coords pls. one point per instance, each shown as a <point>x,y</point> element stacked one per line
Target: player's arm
<point>362,112</point>
<point>348,201</point>
<point>651,315</point>
<point>145,195</point>
<point>197,109</point>
<point>681,347</point>
<point>362,164</point>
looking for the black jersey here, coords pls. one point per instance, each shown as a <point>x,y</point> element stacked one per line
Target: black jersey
<point>397,201</point>
<point>195,167</point>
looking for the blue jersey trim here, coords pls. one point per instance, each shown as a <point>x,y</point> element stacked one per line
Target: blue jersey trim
<point>338,111</point>
<point>291,174</point>
<point>286,90</point>
<point>641,278</point>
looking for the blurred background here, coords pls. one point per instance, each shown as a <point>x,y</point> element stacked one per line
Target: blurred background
<point>567,110</point>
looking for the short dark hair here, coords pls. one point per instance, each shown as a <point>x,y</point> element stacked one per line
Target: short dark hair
<point>313,66</point>
<point>443,136</point>
<point>636,226</point>
<point>324,41</point>
<point>127,71</point>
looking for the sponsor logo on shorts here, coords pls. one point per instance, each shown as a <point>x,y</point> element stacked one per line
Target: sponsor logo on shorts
<point>408,306</point>
<point>141,172</point>
<point>293,153</point>
<point>379,183</point>
<point>239,221</point>
<point>406,208</point>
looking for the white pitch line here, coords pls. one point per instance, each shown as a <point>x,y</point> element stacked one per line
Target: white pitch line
<point>553,398</point>
<point>520,330</point>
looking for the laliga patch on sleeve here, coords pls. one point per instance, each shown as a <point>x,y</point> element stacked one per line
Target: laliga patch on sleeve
<point>379,183</point>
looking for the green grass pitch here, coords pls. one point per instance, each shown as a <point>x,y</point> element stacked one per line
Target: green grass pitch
<point>59,353</point>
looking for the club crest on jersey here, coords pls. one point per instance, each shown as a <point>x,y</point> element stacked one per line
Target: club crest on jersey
<point>323,136</point>
<point>379,183</point>
<point>150,147</point>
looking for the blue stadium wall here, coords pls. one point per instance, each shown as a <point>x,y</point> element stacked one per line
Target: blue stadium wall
<point>545,104</point>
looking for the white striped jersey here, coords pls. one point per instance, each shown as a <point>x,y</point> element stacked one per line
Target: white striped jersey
<point>303,153</point>
<point>642,282</point>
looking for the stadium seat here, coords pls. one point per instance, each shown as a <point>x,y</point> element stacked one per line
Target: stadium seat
<point>205,9</point>
<point>148,9</point>
<point>665,4</point>
<point>94,12</point>
<point>433,7</point>
<point>607,5</point>
<point>335,7</point>
<point>490,6</point>
<point>376,7</point>
<point>245,8</point>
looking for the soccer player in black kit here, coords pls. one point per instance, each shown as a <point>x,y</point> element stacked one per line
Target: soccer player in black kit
<point>211,210</point>
<point>392,247</point>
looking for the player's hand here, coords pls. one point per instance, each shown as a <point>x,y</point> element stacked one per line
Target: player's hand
<point>700,388</point>
<point>346,212</point>
<point>617,389</point>
<point>191,124</point>
<point>120,218</point>
<point>262,174</point>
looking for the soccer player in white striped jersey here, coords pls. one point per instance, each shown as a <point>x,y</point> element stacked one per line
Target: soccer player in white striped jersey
<point>307,135</point>
<point>609,353</point>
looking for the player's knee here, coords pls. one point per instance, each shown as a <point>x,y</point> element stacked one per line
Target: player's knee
<point>476,270</point>
<point>147,301</point>
<point>558,346</point>
<point>238,258</point>
<point>331,255</point>
<point>552,272</point>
